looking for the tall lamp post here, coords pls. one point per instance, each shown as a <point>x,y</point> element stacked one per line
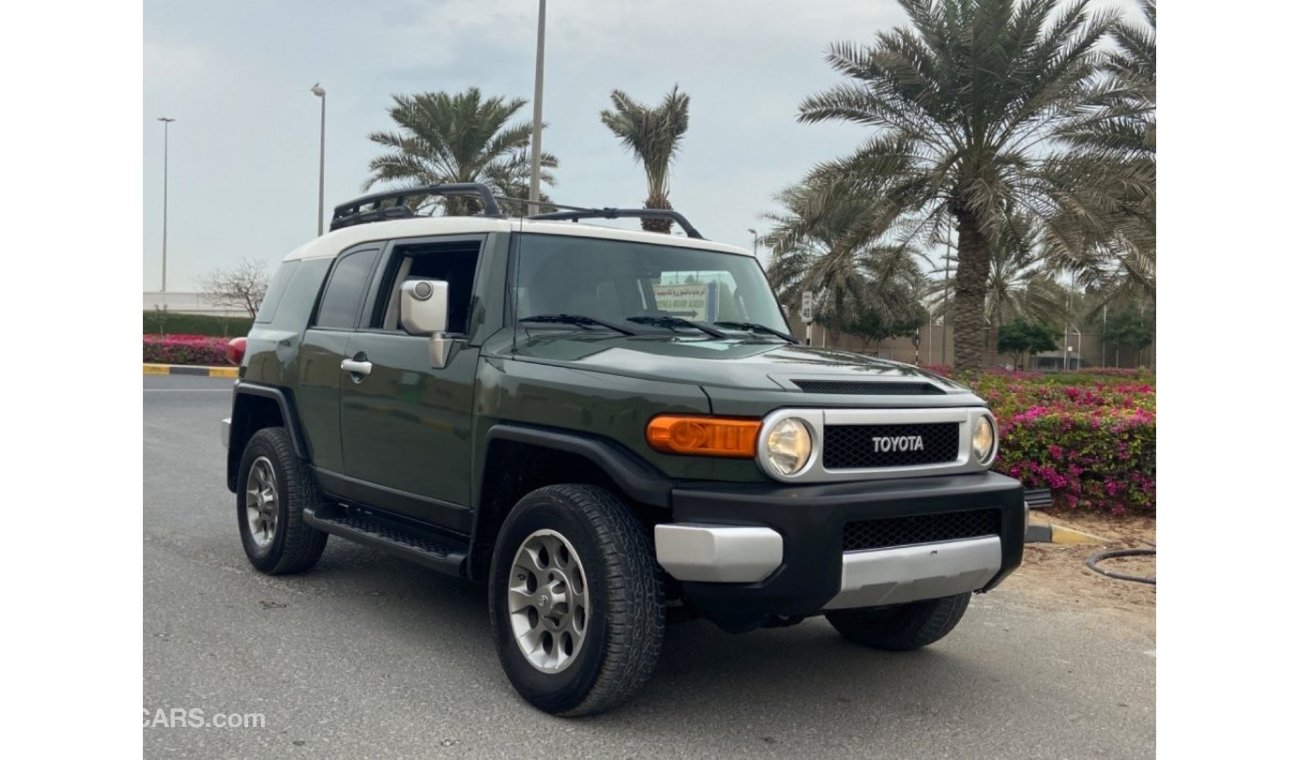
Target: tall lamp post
<point>535,175</point>
<point>947,259</point>
<point>319,92</point>
<point>166,123</point>
<point>1069,313</point>
<point>754,232</point>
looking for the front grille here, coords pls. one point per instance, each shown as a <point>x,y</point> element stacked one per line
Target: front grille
<point>919,529</point>
<point>868,389</point>
<point>851,447</point>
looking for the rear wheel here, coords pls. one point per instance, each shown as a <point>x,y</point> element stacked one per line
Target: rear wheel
<point>272,490</point>
<point>576,600</point>
<point>901,627</point>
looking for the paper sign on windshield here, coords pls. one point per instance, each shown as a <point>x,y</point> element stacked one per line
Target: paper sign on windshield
<point>697,300</point>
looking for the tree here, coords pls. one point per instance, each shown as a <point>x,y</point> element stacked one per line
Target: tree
<point>1021,283</point>
<point>969,104</point>
<point>1107,233</point>
<point>892,301</point>
<point>242,287</point>
<point>654,136</point>
<point>1132,328</point>
<point>461,137</point>
<point>827,241</point>
<point>1020,338</point>
<point>875,326</point>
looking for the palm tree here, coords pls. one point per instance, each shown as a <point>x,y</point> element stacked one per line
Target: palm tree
<point>1021,284</point>
<point>1108,235</point>
<point>654,136</point>
<point>461,137</point>
<point>969,103</point>
<point>827,240</point>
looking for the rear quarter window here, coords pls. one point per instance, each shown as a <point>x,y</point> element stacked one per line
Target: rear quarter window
<point>275,291</point>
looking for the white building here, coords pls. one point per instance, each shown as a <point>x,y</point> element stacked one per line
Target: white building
<point>188,303</point>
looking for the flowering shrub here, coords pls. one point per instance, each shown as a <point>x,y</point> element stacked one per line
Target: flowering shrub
<point>1101,459</point>
<point>1091,440</point>
<point>185,349</point>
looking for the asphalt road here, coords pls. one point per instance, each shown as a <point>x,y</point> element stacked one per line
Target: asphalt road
<point>370,656</point>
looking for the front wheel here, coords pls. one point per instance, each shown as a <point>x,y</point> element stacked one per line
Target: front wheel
<point>901,627</point>
<point>576,600</point>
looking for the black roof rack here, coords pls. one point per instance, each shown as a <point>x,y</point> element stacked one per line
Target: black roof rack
<point>375,208</point>
<point>356,212</point>
<point>623,213</point>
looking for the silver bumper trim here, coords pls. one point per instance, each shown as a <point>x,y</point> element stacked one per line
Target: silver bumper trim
<point>911,573</point>
<point>225,432</point>
<point>718,553</point>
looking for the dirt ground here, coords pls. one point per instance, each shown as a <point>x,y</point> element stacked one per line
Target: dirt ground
<point>1055,574</point>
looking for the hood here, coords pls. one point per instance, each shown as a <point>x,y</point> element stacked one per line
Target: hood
<point>739,364</point>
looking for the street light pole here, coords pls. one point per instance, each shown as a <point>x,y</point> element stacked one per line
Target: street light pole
<point>754,232</point>
<point>166,123</point>
<point>535,178</point>
<point>947,259</point>
<point>1103,335</point>
<point>1069,314</point>
<point>319,92</point>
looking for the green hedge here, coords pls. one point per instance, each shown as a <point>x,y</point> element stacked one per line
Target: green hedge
<point>166,323</point>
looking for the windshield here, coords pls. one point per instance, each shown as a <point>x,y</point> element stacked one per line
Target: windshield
<point>616,281</point>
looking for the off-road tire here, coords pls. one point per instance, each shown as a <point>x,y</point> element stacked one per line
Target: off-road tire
<point>625,628</point>
<point>902,627</point>
<point>295,546</point>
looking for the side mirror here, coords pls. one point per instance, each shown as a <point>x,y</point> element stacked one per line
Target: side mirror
<point>424,307</point>
<point>424,312</point>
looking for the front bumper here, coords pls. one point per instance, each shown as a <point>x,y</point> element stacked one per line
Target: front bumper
<point>738,579</point>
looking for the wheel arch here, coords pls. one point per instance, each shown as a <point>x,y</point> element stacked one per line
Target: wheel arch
<point>518,459</point>
<point>256,407</point>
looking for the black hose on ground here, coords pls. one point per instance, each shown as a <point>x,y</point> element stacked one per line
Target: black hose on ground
<point>1101,556</point>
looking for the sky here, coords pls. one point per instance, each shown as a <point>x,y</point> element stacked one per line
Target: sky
<point>244,148</point>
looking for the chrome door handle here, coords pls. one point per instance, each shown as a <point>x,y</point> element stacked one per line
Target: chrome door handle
<point>355,367</point>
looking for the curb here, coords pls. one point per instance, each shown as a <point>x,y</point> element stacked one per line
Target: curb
<point>178,369</point>
<point>1056,534</point>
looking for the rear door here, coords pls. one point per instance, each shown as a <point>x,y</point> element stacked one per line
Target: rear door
<point>406,427</point>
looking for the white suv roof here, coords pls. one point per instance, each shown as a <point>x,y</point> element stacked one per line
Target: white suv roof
<point>331,244</point>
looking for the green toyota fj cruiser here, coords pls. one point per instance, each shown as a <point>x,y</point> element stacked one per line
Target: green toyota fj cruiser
<point>611,428</point>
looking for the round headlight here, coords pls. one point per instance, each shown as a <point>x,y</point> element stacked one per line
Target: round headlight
<point>984,441</point>
<point>789,445</point>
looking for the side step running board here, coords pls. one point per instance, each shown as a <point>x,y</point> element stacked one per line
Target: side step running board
<point>443,556</point>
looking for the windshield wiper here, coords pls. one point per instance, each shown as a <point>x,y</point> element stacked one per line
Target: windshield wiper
<point>756,327</point>
<point>580,320</point>
<point>664,320</point>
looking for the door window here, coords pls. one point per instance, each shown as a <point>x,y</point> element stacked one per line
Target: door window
<point>341,303</point>
<point>455,263</point>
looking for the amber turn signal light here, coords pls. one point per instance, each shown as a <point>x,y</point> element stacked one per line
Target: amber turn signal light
<point>704,436</point>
